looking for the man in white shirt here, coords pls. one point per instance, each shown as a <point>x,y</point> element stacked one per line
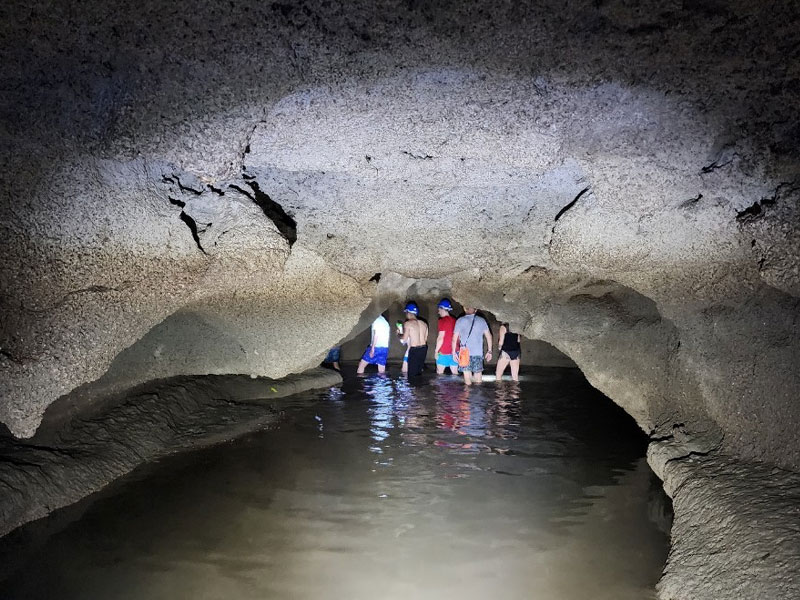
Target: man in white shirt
<point>378,350</point>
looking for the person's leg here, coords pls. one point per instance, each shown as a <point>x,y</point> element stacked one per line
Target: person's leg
<point>502,363</point>
<point>336,365</point>
<point>381,356</point>
<point>416,360</point>
<point>476,365</point>
<point>404,368</point>
<point>454,370</point>
<point>515,369</point>
<point>467,377</point>
<point>370,358</point>
<point>439,368</point>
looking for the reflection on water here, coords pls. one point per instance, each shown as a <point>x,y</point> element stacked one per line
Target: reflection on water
<point>382,488</point>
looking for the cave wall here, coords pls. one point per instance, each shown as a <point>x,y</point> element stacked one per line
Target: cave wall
<point>617,179</point>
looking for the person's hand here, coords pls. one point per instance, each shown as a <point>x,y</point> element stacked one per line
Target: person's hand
<point>372,352</point>
<point>489,355</point>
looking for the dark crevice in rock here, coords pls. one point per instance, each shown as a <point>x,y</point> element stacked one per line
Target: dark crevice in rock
<point>691,201</point>
<point>176,202</point>
<point>274,211</point>
<point>192,225</point>
<point>376,278</point>
<point>10,356</point>
<point>751,212</point>
<point>39,448</point>
<point>418,156</point>
<point>216,190</point>
<point>535,269</point>
<point>247,148</point>
<point>92,289</point>
<point>716,165</point>
<point>175,180</point>
<point>571,204</point>
<point>756,210</point>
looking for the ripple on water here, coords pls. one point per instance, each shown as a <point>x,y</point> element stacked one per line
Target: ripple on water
<point>379,488</point>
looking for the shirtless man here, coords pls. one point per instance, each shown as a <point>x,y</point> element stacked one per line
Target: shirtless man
<point>415,335</point>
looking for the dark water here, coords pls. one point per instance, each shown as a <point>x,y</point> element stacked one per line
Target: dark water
<point>379,489</point>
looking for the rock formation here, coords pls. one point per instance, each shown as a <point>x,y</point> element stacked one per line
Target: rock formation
<point>212,188</point>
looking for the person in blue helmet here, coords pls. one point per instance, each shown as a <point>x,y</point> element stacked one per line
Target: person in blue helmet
<point>444,338</point>
<point>415,336</point>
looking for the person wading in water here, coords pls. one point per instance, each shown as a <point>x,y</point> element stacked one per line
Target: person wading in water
<point>444,339</point>
<point>415,334</point>
<point>469,333</point>
<point>510,353</point>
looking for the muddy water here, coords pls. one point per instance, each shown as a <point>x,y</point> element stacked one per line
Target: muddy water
<point>376,489</point>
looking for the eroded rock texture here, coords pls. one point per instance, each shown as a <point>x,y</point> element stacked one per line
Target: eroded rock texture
<point>222,181</point>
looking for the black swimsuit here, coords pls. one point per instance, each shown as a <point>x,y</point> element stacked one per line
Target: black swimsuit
<point>511,345</point>
<point>416,359</point>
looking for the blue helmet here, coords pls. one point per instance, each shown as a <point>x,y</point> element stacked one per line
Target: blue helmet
<point>445,304</point>
<point>412,308</point>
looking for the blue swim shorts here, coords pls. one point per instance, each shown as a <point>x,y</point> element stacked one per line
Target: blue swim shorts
<point>381,354</point>
<point>333,355</point>
<point>445,360</point>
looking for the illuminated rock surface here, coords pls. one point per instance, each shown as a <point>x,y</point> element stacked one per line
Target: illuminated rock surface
<point>617,179</point>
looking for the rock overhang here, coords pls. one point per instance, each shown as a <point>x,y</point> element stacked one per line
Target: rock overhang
<point>591,141</point>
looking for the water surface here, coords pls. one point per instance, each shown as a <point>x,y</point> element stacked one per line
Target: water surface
<point>377,489</point>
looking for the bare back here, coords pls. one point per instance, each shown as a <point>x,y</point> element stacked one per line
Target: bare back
<point>416,332</point>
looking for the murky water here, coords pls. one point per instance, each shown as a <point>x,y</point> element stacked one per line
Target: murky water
<point>379,489</point>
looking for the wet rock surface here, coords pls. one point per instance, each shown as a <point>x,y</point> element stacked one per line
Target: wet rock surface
<point>212,188</point>
<point>74,455</point>
<point>736,532</point>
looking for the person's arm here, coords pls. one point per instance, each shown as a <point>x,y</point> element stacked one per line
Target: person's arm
<point>501,336</point>
<point>372,344</point>
<point>406,333</point>
<point>488,335</point>
<point>455,342</point>
<point>439,340</point>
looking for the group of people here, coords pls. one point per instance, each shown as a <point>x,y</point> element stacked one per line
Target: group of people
<point>459,344</point>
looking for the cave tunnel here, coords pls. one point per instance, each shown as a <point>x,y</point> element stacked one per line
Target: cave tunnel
<point>201,199</point>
